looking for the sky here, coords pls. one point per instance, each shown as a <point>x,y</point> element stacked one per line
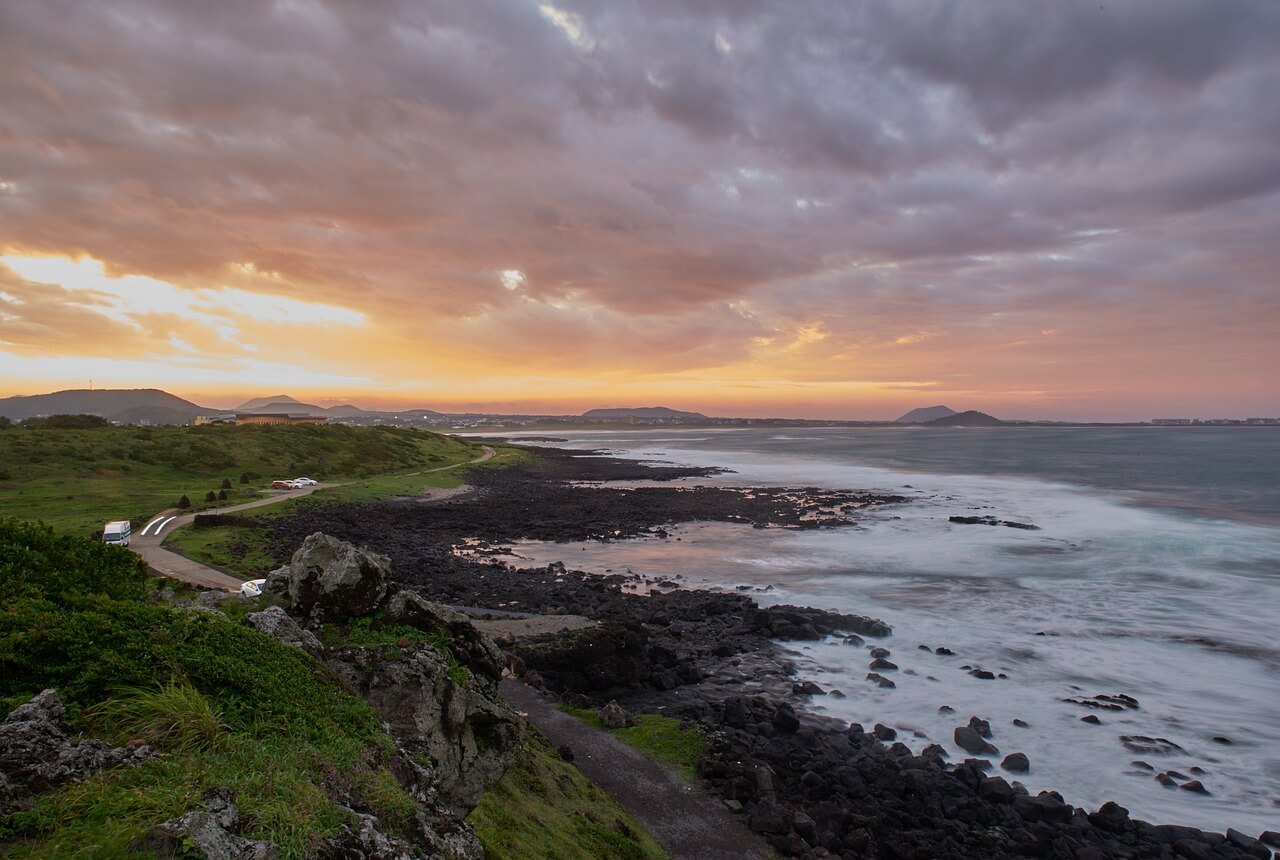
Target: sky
<point>823,209</point>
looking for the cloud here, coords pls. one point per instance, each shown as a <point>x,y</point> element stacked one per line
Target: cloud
<point>583,187</point>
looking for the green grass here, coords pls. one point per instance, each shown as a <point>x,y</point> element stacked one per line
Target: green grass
<point>665,739</point>
<point>242,551</point>
<point>545,809</point>
<point>230,707</point>
<point>76,480</point>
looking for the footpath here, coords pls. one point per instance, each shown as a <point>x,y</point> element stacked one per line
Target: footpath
<point>687,824</point>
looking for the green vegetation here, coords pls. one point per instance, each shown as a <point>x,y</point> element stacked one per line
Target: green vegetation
<point>77,479</point>
<point>244,551</point>
<point>665,739</point>
<point>371,632</point>
<point>545,809</point>
<point>230,707</point>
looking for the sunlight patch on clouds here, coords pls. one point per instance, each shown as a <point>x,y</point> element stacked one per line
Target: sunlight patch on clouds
<point>570,24</point>
<point>916,337</point>
<point>124,297</point>
<point>512,279</point>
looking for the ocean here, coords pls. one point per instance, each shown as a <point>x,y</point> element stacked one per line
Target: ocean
<point>1154,572</point>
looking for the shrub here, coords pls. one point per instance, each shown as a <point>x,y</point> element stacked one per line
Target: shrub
<point>222,495</point>
<point>211,496</point>
<point>184,503</point>
<point>244,477</point>
<point>36,561</point>
<point>226,483</point>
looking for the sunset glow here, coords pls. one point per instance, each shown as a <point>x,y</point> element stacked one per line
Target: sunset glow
<point>827,211</point>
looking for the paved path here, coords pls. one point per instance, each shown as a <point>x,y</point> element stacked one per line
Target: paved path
<point>688,824</point>
<point>170,564</point>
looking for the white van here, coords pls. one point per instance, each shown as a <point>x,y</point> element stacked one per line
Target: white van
<point>117,533</point>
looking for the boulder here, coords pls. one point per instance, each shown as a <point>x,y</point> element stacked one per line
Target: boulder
<point>1016,763</point>
<point>37,754</point>
<point>613,716</point>
<point>969,740</point>
<point>277,624</point>
<point>331,580</point>
<point>213,832</point>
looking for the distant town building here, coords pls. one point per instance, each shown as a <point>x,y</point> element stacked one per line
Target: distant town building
<point>224,418</point>
<point>278,418</point>
<point>1166,422</point>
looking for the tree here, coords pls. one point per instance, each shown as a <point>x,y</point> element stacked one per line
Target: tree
<point>184,502</point>
<point>222,495</point>
<point>226,483</point>
<point>211,496</point>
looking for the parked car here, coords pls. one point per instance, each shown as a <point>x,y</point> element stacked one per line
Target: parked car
<point>252,588</point>
<point>283,485</point>
<point>117,532</point>
<point>305,482</point>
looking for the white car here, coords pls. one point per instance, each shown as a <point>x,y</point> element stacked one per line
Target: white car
<point>252,588</point>
<point>305,482</point>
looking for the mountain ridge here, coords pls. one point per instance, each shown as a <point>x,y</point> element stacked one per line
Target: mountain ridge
<point>126,405</point>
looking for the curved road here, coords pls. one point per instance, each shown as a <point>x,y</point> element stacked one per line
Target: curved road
<point>170,564</point>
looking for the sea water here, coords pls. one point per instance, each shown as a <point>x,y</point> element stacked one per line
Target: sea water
<point>1154,572</point>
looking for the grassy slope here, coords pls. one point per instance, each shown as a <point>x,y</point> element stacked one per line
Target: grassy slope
<point>75,480</point>
<point>78,618</point>
<point>545,809</point>
<point>663,738</point>
<point>231,707</point>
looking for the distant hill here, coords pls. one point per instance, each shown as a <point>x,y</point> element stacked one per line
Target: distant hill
<point>924,414</point>
<point>641,412</point>
<point>288,404</point>
<point>971,418</point>
<point>257,403</point>
<point>345,410</point>
<point>127,406</point>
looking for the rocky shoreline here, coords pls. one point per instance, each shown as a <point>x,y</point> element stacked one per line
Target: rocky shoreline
<point>812,787</point>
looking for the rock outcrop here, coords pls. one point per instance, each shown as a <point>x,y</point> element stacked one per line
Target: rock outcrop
<point>439,700</point>
<point>36,753</point>
<point>213,831</point>
<point>277,624</point>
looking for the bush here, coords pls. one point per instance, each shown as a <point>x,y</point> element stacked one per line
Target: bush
<point>211,496</point>
<point>36,561</point>
<point>67,422</point>
<point>226,483</point>
<point>222,495</point>
<point>184,503</point>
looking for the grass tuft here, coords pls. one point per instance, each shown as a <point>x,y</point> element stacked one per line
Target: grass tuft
<point>173,716</point>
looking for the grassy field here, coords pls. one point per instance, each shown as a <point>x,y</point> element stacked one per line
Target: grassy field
<point>75,480</point>
<point>665,739</point>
